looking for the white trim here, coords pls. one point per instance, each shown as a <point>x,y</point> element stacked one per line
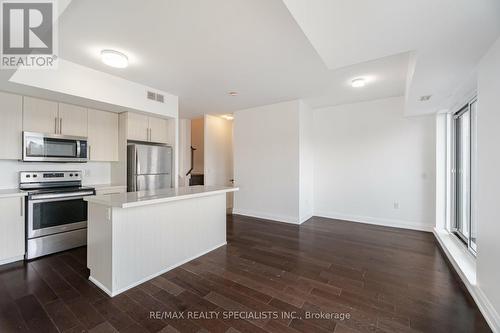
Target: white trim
<point>266,216</point>
<point>377,221</point>
<point>100,286</point>
<point>152,276</point>
<point>12,259</point>
<point>465,266</point>
<point>305,218</point>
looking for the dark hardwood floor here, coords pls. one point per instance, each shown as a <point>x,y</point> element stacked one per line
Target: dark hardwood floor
<point>384,279</point>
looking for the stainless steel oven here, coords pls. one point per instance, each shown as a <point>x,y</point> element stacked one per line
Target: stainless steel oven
<point>39,147</point>
<point>56,214</point>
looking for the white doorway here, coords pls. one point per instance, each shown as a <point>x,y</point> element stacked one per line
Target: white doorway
<point>218,151</point>
<point>207,152</point>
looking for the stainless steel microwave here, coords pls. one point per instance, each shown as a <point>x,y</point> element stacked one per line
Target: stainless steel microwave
<point>39,147</point>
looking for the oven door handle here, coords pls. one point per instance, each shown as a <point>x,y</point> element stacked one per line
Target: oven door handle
<point>61,195</point>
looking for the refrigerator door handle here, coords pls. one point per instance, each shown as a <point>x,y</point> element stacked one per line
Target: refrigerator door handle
<point>136,185</point>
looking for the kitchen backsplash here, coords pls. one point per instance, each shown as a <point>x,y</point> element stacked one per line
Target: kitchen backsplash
<point>93,172</point>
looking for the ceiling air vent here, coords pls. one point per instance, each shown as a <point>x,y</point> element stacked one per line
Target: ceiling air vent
<point>425,98</point>
<point>151,95</point>
<point>160,98</point>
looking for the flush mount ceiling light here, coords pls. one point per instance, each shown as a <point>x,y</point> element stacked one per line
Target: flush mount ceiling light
<point>114,58</point>
<point>233,93</point>
<point>358,83</point>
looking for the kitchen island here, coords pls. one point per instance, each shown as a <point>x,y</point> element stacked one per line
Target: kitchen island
<point>136,236</point>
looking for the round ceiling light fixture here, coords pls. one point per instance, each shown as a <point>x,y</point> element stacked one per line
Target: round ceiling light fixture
<point>114,58</point>
<point>358,83</point>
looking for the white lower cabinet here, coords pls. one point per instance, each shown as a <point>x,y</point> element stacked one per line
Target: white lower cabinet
<point>12,226</point>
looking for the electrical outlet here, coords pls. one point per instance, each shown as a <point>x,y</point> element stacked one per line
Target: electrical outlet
<point>396,205</point>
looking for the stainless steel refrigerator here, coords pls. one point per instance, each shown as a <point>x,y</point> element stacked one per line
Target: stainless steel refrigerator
<point>149,167</point>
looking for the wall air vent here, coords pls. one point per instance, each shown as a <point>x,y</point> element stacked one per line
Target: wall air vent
<point>151,95</point>
<point>155,96</point>
<point>425,98</point>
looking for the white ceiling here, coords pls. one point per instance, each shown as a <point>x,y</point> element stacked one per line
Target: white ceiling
<point>448,37</point>
<point>277,50</point>
<point>385,77</point>
<point>199,50</point>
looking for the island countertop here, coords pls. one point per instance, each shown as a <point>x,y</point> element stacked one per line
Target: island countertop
<point>143,198</point>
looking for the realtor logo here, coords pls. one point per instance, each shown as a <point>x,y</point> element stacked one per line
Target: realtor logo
<point>28,34</point>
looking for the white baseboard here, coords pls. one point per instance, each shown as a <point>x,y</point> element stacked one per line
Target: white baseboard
<point>267,216</point>
<point>467,273</point>
<point>100,286</point>
<point>305,218</point>
<point>10,260</point>
<point>376,221</point>
<point>152,276</point>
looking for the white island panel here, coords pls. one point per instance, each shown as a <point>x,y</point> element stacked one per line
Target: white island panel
<point>128,246</point>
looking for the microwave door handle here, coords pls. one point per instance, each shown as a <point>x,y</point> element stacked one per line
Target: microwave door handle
<point>78,149</point>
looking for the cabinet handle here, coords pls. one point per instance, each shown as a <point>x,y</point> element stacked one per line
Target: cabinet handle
<point>60,125</point>
<point>90,149</point>
<point>22,207</point>
<point>55,125</point>
<point>150,134</point>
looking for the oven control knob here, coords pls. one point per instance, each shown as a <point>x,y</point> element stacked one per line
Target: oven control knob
<point>71,175</point>
<point>34,176</point>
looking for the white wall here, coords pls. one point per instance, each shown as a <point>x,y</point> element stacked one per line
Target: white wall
<point>369,158</point>
<point>488,179</point>
<point>93,172</point>
<point>306,162</point>
<point>219,154</point>
<point>266,161</point>
<point>443,158</point>
<point>86,83</point>
<point>218,151</point>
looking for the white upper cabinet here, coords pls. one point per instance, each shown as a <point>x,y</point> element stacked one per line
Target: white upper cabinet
<point>158,130</point>
<point>12,224</point>
<point>102,135</point>
<point>40,116</point>
<point>137,127</point>
<point>49,117</point>
<point>72,120</point>
<point>148,129</point>
<point>11,126</point>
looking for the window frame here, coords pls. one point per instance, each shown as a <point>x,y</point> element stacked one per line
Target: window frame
<point>454,229</point>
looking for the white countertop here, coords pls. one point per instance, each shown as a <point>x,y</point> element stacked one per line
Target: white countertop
<point>105,186</point>
<point>142,198</point>
<point>14,192</point>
